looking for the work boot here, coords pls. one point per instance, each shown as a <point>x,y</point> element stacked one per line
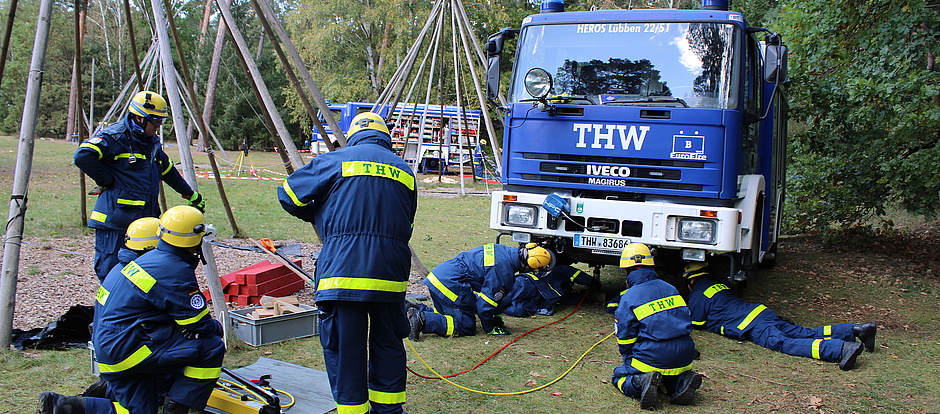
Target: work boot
<point>649,385</point>
<point>865,332</point>
<point>99,389</point>
<point>52,403</point>
<point>850,351</point>
<point>687,383</point>
<point>416,319</point>
<point>173,407</point>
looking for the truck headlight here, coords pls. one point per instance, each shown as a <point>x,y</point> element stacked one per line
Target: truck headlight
<point>697,230</point>
<point>521,215</point>
<point>538,83</point>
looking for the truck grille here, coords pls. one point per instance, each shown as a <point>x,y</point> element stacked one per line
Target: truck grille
<point>619,182</point>
<point>613,160</point>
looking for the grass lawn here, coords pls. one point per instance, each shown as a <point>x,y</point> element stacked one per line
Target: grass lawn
<point>812,284</point>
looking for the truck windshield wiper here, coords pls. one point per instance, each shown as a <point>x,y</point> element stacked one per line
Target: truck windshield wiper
<point>646,100</point>
<point>564,99</point>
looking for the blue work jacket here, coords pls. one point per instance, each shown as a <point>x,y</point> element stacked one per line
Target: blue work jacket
<point>139,307</point>
<point>538,293</point>
<point>129,166</point>
<point>362,200</point>
<point>478,279</point>
<point>716,309</point>
<point>650,312</point>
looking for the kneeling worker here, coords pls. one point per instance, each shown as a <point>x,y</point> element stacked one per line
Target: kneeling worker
<point>152,326</point>
<point>653,335</point>
<point>473,284</point>
<point>716,309</point>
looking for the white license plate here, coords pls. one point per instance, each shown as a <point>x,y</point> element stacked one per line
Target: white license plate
<point>599,242</point>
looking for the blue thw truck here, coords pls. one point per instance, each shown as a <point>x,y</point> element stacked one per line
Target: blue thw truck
<point>664,127</point>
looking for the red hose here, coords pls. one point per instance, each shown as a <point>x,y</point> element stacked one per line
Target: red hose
<point>504,346</point>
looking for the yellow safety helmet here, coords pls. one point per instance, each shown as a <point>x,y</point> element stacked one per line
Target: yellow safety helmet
<point>636,254</point>
<point>148,104</point>
<point>182,226</point>
<point>367,120</point>
<point>695,269</point>
<point>537,257</point>
<point>143,234</point>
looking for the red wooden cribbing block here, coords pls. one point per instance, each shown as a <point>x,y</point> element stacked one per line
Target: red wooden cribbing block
<point>261,272</point>
<point>265,288</point>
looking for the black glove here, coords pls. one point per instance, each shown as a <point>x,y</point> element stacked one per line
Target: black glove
<point>195,200</point>
<point>498,322</point>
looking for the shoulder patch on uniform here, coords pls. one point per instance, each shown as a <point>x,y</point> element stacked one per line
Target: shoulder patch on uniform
<point>197,301</point>
<point>94,140</point>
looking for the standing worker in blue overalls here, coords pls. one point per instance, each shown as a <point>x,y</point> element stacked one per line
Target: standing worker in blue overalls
<point>473,284</point>
<point>362,199</point>
<point>127,162</point>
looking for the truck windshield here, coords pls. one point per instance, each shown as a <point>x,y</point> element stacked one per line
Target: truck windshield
<point>662,64</point>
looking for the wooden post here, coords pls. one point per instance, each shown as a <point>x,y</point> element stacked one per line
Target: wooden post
<point>287,143</point>
<point>203,128</point>
<point>73,120</point>
<point>24,164</point>
<point>6,38</point>
<point>304,75</point>
<point>168,71</point>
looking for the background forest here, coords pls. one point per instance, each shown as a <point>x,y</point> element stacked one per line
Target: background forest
<point>864,87</point>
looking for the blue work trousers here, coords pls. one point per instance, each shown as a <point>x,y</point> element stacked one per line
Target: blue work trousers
<point>824,343</point>
<point>364,355</point>
<point>107,245</point>
<point>187,368</point>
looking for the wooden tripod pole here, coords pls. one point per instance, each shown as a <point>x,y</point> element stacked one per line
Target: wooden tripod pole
<point>168,71</point>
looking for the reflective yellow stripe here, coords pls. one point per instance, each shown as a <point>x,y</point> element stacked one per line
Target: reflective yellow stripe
<point>352,409</point>
<point>827,330</point>
<point>169,167</point>
<point>713,289</point>
<point>98,216</point>
<point>816,345</point>
<point>137,357</point>
<point>642,367</point>
<point>659,305</point>
<point>489,255</point>
<point>722,330</point>
<point>202,373</point>
<point>626,341</point>
<point>290,193</point>
<point>575,275</point>
<point>128,155</point>
<point>450,325</point>
<point>387,397</point>
<point>613,304</point>
<point>361,283</point>
<point>194,319</point>
<point>92,146</point>
<point>487,299</point>
<point>698,323</point>
<point>102,295</point>
<point>620,383</point>
<point>750,317</point>
<point>375,169</point>
<point>139,277</point>
<point>131,202</point>
<point>441,288</point>
<point>119,409</point>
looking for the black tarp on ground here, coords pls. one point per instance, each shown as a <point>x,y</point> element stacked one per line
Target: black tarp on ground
<point>69,331</point>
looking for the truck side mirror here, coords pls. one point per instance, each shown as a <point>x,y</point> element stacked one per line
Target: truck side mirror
<point>775,60</point>
<point>494,48</point>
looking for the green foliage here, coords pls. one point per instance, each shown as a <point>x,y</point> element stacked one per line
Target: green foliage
<point>863,91</point>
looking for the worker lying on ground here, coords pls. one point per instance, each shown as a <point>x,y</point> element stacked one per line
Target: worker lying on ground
<point>473,284</point>
<point>653,335</point>
<point>539,293</point>
<point>716,309</point>
<point>153,330</point>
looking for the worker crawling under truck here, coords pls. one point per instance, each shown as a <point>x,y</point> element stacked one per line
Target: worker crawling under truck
<point>473,284</point>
